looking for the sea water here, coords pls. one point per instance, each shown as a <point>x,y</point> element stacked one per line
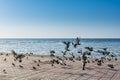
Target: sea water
<point>43,46</point>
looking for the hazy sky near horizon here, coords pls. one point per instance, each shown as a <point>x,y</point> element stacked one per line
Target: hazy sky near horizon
<point>59,18</point>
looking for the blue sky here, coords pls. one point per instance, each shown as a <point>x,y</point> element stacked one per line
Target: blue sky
<point>59,18</point>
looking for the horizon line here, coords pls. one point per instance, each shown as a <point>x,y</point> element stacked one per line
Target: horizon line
<point>64,38</point>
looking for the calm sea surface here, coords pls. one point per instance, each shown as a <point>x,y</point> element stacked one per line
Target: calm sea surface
<point>43,46</point>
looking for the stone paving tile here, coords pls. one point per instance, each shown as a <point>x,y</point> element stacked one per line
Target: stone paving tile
<point>108,75</point>
<point>93,78</point>
<point>116,77</point>
<point>73,77</point>
<point>104,79</point>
